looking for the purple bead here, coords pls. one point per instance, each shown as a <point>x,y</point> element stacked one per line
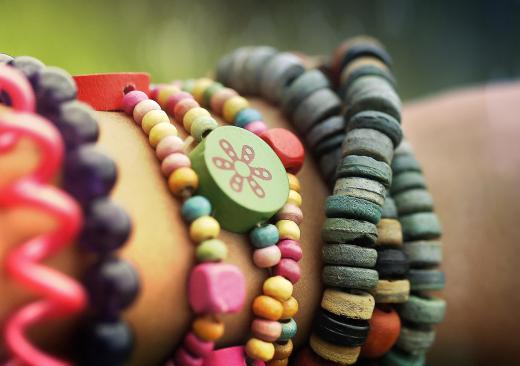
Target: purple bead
<point>106,227</point>
<point>130,100</point>
<point>29,66</point>
<point>88,174</point>
<point>77,124</point>
<point>52,87</point>
<point>106,344</point>
<point>112,285</point>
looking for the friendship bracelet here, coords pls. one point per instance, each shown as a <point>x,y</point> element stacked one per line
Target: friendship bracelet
<point>89,176</point>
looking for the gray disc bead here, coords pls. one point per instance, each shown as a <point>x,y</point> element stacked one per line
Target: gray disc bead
<point>423,253</point>
<point>364,188</point>
<point>278,74</point>
<point>423,310</point>
<point>349,277</point>
<point>339,230</point>
<point>407,180</point>
<point>426,279</point>
<point>349,255</point>
<point>303,86</point>
<point>380,121</point>
<point>352,208</point>
<point>332,126</point>
<point>368,142</point>
<point>366,167</point>
<point>415,341</point>
<point>315,108</point>
<point>254,65</point>
<point>413,200</point>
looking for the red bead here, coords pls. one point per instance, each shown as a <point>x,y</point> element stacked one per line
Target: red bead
<point>287,146</point>
<point>384,331</point>
<point>289,269</point>
<point>307,357</point>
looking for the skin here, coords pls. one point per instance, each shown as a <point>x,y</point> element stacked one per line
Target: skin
<point>475,193</point>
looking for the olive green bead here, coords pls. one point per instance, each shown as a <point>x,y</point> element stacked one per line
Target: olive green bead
<point>352,208</point>
<point>349,277</point>
<point>423,310</point>
<point>407,180</point>
<point>365,167</point>
<point>211,250</point>
<point>349,255</point>
<point>368,142</point>
<point>421,225</point>
<point>339,230</point>
<point>426,279</point>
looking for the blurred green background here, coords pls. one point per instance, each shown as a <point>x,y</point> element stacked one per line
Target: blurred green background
<point>435,44</point>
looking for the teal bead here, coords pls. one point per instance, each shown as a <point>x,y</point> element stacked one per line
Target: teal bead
<point>352,208</point>
<point>365,167</point>
<point>195,207</point>
<point>246,116</point>
<point>202,126</point>
<point>264,236</point>
<point>399,358</point>
<point>407,180</point>
<point>212,250</point>
<point>289,329</point>
<point>423,309</point>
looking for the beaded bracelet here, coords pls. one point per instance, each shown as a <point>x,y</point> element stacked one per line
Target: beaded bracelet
<point>276,246</point>
<point>89,176</point>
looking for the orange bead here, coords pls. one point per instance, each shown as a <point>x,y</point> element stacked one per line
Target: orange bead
<point>182,181</point>
<point>290,308</point>
<point>385,326</point>
<point>267,307</point>
<point>208,328</point>
<point>259,350</point>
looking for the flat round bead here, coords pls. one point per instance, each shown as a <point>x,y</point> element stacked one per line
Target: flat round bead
<point>173,162</point>
<point>195,207</point>
<point>391,263</point>
<point>354,304</point>
<point>415,341</point>
<point>385,326</point>
<point>413,201</point>
<point>329,163</point>
<point>361,188</point>
<point>169,145</point>
<point>328,145</point>
<point>423,309</point>
<point>421,225</point>
<point>317,107</point>
<point>294,183</point>
<point>219,98</point>
<point>252,70</point>
<point>368,142</point>
<point>389,233</point>
<point>389,209</point>
<point>365,167</point>
<point>278,287</point>
<point>289,330</point>
<point>303,86</point>
<point>423,254</point>
<point>246,116</point>
<point>235,77</point>
<point>267,307</point>
<point>289,269</point>
<point>142,108</point>
<point>349,255</point>
<point>183,181</point>
<point>160,131</point>
<point>341,354</point>
<point>208,328</point>
<point>27,65</point>
<point>197,346</point>
<point>212,250</point>
<point>290,308</point>
<point>174,99</point>
<point>287,147</point>
<point>426,280</point>
<point>352,208</point>
<point>399,358</point>
<point>325,130</point>
<point>294,198</point>
<point>204,228</point>
<point>356,47</point>
<point>282,350</point>
<point>339,230</point>
<point>391,291</point>
<point>379,121</point>
<point>267,257</point>
<point>340,330</point>
<point>256,127</point>
<point>258,349</point>
<point>288,229</point>
<point>266,330</point>
<point>349,277</point>
<point>164,93</point>
<point>264,236</point>
<point>277,74</point>
<point>224,68</point>
<point>405,162</point>
<point>307,357</point>
<point>290,212</point>
<point>183,107</point>
<point>290,249</point>
<point>232,107</point>
<point>193,114</point>
<point>407,180</point>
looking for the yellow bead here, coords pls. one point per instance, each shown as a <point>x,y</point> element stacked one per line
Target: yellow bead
<point>290,308</point>
<point>232,106</point>
<point>191,115</point>
<point>294,183</point>
<point>183,180</point>
<point>204,228</point>
<point>200,87</point>
<point>278,287</point>
<point>259,350</point>
<point>160,131</point>
<point>208,328</point>
<point>295,198</point>
<point>267,307</point>
<point>152,118</point>
<point>164,93</point>
<point>288,229</point>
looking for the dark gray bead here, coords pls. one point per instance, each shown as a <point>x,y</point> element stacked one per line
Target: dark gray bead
<point>423,253</point>
<point>349,277</point>
<point>368,142</point>
<point>317,107</point>
<point>278,74</point>
<point>332,126</point>
<point>339,230</point>
<point>252,70</point>
<point>366,167</point>
<point>349,255</point>
<point>379,121</point>
<point>303,86</point>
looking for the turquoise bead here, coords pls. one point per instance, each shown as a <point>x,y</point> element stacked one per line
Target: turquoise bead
<point>246,116</point>
<point>289,329</point>
<point>195,207</point>
<point>264,236</point>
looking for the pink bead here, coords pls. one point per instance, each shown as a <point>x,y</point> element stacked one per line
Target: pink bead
<point>266,330</point>
<point>173,162</point>
<point>183,107</point>
<point>183,358</point>
<point>197,346</point>
<point>219,98</point>
<point>130,100</point>
<point>216,288</point>
<point>256,127</point>
<point>154,91</point>
<point>289,269</point>
<point>144,107</point>
<point>231,356</point>
<point>169,145</point>
<point>290,249</point>
<point>176,98</point>
<point>290,212</point>
<point>267,257</point>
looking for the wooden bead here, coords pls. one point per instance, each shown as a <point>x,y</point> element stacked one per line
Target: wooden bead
<point>267,307</point>
<point>315,108</point>
<point>282,350</point>
<point>267,257</point>
<point>352,208</point>
<point>307,357</point>
<point>169,145</point>
<point>196,346</point>
<point>266,330</point>
<point>421,225</point>
<point>290,212</point>
<point>224,68</point>
<point>235,78</point>
<point>426,280</point>
<point>247,116</point>
<point>391,263</point>
<point>349,277</point>
<point>339,230</point>
<point>219,98</point>
<point>278,288</point>
<point>164,93</point>
<point>287,146</point>
<point>290,249</point>
<point>183,357</point>
<point>241,176</point>
<point>349,255</point>
<point>283,362</point>
<point>384,331</point>
<point>391,291</point>
<point>415,341</point>
<point>354,304</point>
<point>202,126</point>
<point>212,250</point>
<point>232,106</point>
<point>277,73</point>
<point>175,99</point>
<point>173,162</point>
<point>423,254</point>
<point>294,198</point>
<point>208,328</point>
<point>288,229</point>
<point>183,181</point>
<point>204,228</point>
<point>209,93</point>
<point>362,188</point>
<point>413,201</point>
<point>365,167</point>
<point>161,131</point>
<point>379,121</point>
<point>329,145</point>
<point>226,356</point>
<point>199,88</point>
<point>423,309</point>
<point>303,86</point>
<point>182,107</point>
<point>191,115</point>
<point>294,182</point>
<point>340,354</point>
<point>290,308</point>
<point>363,66</point>
<point>407,180</point>
<point>324,130</point>
<point>152,118</point>
<point>329,163</point>
<point>143,108</point>
<point>253,66</point>
<point>289,269</point>
<point>368,142</point>
<point>259,350</point>
<point>264,236</point>
<point>389,233</point>
<point>289,330</point>
<point>131,99</point>
<point>195,207</point>
<point>356,47</point>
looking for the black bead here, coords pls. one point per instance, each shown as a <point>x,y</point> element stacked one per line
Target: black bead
<point>392,263</point>
<point>366,49</point>
<point>340,330</point>
<point>52,87</point>
<point>27,65</point>
<point>77,124</point>
<point>106,344</point>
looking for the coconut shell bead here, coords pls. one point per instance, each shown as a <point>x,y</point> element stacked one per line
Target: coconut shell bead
<point>307,357</point>
<point>169,145</point>
<point>204,228</point>
<point>340,354</point>
<point>267,257</point>
<point>232,107</point>
<point>208,328</point>
<point>352,304</point>
<point>131,99</point>
<point>283,350</point>
<point>183,180</point>
<point>266,330</point>
<point>143,108</point>
<point>423,309</point>
<point>173,162</point>
<point>289,269</point>
<point>278,287</point>
<point>267,307</point>
<point>391,291</point>
<point>259,350</point>
<point>390,233</point>
<point>160,131</point>
<point>368,142</point>
<point>288,229</point>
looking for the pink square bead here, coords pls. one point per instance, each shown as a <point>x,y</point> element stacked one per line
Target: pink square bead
<point>216,288</point>
<point>231,356</point>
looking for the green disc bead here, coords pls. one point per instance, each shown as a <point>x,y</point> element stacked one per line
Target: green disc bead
<point>339,230</point>
<point>365,167</point>
<point>407,180</point>
<point>389,209</point>
<point>352,208</point>
<point>289,330</point>
<point>195,207</point>
<point>426,279</point>
<point>423,309</point>
<point>405,162</point>
<point>421,225</point>
<point>349,277</point>
<point>349,255</point>
<point>264,236</point>
<point>201,126</point>
<point>399,358</point>
<point>210,92</point>
<point>413,200</point>
<point>212,250</point>
<point>368,142</point>
<point>423,253</point>
<point>363,188</point>
<point>415,341</point>
<point>379,121</point>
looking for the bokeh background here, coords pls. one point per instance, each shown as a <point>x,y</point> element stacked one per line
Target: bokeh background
<point>435,44</point>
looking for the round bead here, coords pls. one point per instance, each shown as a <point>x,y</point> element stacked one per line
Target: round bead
<point>290,308</point>
<point>315,108</point>
<point>325,130</point>
<point>289,329</point>
<point>413,201</point>
<point>232,106</point>
<point>392,291</point>
<point>53,86</point>
<point>252,69</point>
<point>212,250</point>
<point>385,326</point>
<point>288,229</point>
<point>246,116</point>
<point>219,98</point>
<point>29,66</point>
<point>289,269</point>
<point>210,92</point>
<point>77,124</point>
<point>290,212</point>
<point>200,87</point>
<point>143,107</point>
<point>277,74</point>
<point>264,236</point>
<point>352,208</point>
<point>182,181</point>
<point>228,356</point>
<point>256,127</point>
<point>160,131</point>
<point>258,349</point>
<point>107,343</point>
<point>282,350</point>
<point>349,255</point>
<point>423,309</point>
<point>164,93</point>
<point>266,330</point>
<point>294,198</point>
<point>202,126</point>
<point>267,257</point>
<point>182,107</point>
<point>191,115</point>
<point>287,147</point>
<point>174,99</point>
<point>185,358</point>
<point>197,346</point>
<point>294,182</point>
<point>208,328</point>
<point>354,304</point>
<point>204,228</point>
<point>267,307</point>
<point>195,207</point>
<point>340,354</point>
<point>390,233</point>
<point>152,118</point>
<point>169,145</point>
<point>339,230</point>
<point>290,249</point>
<point>173,162</point>
<point>303,86</point>
<point>278,288</point>
<point>407,180</point>
<point>349,277</point>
